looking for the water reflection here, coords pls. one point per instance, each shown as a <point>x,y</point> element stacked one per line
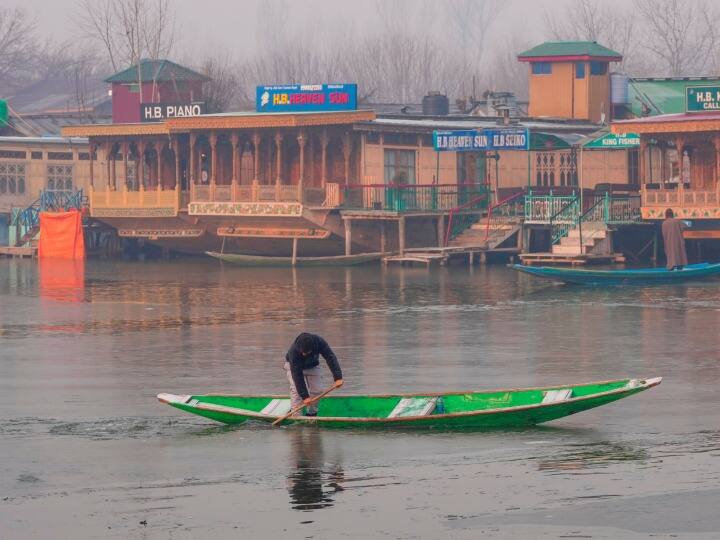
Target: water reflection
<point>62,280</point>
<point>312,484</point>
<point>591,456</point>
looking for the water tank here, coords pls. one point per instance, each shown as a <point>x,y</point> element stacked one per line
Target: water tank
<point>619,88</point>
<point>435,104</point>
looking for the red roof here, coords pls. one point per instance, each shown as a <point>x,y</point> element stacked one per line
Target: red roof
<point>676,117</point>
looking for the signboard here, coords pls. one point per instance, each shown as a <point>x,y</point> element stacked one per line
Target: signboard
<point>702,98</point>
<point>306,98</point>
<point>156,112</point>
<point>474,140</point>
<point>615,140</point>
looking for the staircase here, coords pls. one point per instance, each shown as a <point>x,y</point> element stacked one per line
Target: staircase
<point>595,240</point>
<point>489,236</point>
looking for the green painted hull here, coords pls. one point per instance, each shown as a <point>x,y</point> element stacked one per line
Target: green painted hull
<point>511,408</point>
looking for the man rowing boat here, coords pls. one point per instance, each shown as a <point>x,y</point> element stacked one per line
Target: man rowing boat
<point>302,365</point>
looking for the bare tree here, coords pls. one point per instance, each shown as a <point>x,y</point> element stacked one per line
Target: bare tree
<point>129,30</point>
<point>17,46</point>
<point>610,25</point>
<point>223,92</point>
<point>681,39</point>
<point>471,20</point>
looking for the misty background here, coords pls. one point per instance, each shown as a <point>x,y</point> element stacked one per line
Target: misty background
<point>396,50</point>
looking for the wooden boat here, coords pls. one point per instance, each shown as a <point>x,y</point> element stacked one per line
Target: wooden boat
<point>639,276</point>
<point>261,260</point>
<point>476,410</point>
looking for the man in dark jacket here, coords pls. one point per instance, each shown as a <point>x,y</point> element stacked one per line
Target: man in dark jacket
<point>302,365</point>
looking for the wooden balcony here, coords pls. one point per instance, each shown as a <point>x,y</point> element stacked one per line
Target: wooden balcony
<point>685,202</point>
<point>137,204</point>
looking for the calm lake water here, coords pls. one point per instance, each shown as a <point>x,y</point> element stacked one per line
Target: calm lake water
<point>88,452</point>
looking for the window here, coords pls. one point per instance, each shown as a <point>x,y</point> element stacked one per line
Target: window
<point>60,156</point>
<point>372,138</point>
<point>634,167</point>
<point>541,68</point>
<point>403,139</point>
<point>12,154</point>
<point>133,88</point>
<point>598,68</point>
<point>36,155</point>
<point>12,177</point>
<point>568,169</point>
<point>545,168</point>
<point>60,177</point>
<point>580,70</point>
<point>426,140</point>
<point>399,166</point>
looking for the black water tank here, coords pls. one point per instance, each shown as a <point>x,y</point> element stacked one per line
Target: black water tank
<point>435,104</point>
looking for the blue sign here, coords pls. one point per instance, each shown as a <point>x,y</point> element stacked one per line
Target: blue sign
<point>306,98</point>
<point>474,140</point>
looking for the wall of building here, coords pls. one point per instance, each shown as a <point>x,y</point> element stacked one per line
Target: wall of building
<point>126,97</point>
<point>552,94</point>
<point>41,163</point>
<point>598,96</point>
<point>598,167</point>
<point>426,164</point>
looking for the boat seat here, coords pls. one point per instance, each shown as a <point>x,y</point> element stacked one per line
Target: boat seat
<point>413,406</point>
<point>276,407</point>
<point>553,396</point>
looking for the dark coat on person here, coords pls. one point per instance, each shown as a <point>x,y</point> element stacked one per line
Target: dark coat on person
<point>672,231</point>
<point>298,362</point>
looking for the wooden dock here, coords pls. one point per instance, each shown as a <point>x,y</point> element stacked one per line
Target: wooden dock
<point>532,259</point>
<point>443,255</point>
<point>18,252</point>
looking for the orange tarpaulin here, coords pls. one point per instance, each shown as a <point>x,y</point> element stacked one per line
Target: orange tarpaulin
<point>61,235</point>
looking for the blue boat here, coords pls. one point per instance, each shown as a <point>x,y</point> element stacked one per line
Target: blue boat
<point>637,276</point>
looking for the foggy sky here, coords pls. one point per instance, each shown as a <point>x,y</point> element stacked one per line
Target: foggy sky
<point>231,23</point>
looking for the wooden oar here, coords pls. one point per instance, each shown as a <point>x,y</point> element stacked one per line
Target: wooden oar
<point>296,409</point>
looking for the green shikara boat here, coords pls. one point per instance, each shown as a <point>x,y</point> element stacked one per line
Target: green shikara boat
<point>508,408</point>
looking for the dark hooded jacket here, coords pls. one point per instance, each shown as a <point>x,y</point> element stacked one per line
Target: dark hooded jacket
<point>298,362</point>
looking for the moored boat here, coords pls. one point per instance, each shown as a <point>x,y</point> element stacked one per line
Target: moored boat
<point>637,276</point>
<point>506,408</point>
<point>260,260</point>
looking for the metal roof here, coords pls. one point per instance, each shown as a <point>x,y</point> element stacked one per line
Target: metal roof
<point>590,49</point>
<point>652,96</point>
<point>44,140</point>
<point>465,122</point>
<point>156,70</point>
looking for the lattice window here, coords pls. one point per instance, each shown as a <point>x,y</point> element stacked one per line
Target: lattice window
<point>568,169</point>
<point>12,178</point>
<point>60,177</point>
<point>545,168</point>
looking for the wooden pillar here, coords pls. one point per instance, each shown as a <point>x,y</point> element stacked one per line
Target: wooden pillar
<point>441,230</point>
<point>401,235</point>
<point>324,140</point>
<point>213,164</point>
<point>256,156</point>
<point>158,153</point>
<point>278,164</point>
<point>348,236</point>
<point>140,169</point>
<point>108,156</point>
<point>641,164</point>
<point>178,173</point>
<point>114,166</point>
<point>716,169</point>
<point>236,147</point>
<point>294,251</point>
<point>383,238</point>
<point>93,149</point>
<point>301,179</point>
<point>347,148</point>
<point>125,151</point>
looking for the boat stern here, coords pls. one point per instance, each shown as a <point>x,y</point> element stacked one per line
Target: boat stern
<point>173,399</point>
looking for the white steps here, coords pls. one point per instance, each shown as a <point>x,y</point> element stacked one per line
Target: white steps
<point>594,235</point>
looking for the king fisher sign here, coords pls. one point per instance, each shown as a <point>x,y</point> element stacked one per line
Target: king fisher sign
<point>157,112</point>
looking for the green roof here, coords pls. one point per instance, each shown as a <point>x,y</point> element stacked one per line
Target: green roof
<point>663,96</point>
<point>156,70</point>
<point>570,48</point>
<point>3,112</point>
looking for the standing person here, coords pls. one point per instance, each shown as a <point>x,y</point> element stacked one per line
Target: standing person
<point>672,231</point>
<point>302,365</point>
